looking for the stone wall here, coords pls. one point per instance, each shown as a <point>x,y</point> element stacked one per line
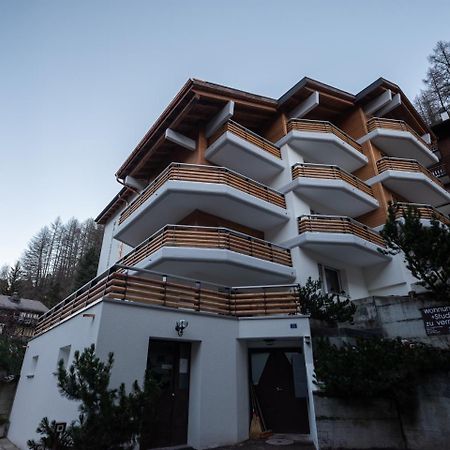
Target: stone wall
<point>378,424</point>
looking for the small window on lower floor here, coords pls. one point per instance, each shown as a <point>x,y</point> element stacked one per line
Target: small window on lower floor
<point>331,280</point>
<point>33,366</point>
<point>64,354</point>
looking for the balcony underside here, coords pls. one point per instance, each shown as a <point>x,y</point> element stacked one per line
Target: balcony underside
<point>324,148</point>
<point>219,266</point>
<point>236,153</point>
<point>349,249</point>
<point>401,144</point>
<point>333,196</point>
<point>413,186</point>
<point>176,199</point>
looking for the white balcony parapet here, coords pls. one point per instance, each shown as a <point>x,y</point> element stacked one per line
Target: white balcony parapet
<point>396,138</point>
<point>218,255</point>
<point>183,188</point>
<point>238,148</point>
<point>340,238</point>
<point>331,190</point>
<point>411,180</point>
<point>322,142</point>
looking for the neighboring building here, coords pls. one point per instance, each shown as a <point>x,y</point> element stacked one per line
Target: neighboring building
<point>19,316</point>
<point>229,201</point>
<point>442,168</point>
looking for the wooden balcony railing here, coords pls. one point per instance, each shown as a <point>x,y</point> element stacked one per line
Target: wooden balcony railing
<point>338,224</point>
<point>327,172</point>
<point>319,126</point>
<point>247,135</point>
<point>205,174</point>
<point>208,237</point>
<point>405,165</point>
<point>392,124</point>
<point>174,292</point>
<point>426,212</point>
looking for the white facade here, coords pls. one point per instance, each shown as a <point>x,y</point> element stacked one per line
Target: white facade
<point>218,398</point>
<point>256,194</point>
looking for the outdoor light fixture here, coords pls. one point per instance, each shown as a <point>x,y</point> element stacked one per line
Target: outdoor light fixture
<point>180,326</point>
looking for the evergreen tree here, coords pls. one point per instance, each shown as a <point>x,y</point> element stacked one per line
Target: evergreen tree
<point>110,419</point>
<point>87,268</point>
<point>425,249</point>
<point>376,367</point>
<point>14,279</point>
<point>324,306</point>
<point>4,270</point>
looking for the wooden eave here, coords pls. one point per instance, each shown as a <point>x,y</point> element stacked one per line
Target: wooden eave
<point>333,102</point>
<point>124,196</point>
<point>406,111</point>
<point>192,108</point>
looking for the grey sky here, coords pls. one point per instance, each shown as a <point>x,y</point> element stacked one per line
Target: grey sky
<point>81,81</point>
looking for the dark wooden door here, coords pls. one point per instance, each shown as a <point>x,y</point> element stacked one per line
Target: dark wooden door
<point>169,362</point>
<point>281,395</point>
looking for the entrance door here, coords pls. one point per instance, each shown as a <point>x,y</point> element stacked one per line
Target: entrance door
<point>169,363</point>
<point>280,389</point>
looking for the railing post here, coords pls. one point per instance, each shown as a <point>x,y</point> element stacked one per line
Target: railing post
<point>199,295</point>
<point>265,301</point>
<point>126,285</point>
<point>164,280</point>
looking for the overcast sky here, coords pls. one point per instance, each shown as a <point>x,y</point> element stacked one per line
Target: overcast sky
<point>81,81</point>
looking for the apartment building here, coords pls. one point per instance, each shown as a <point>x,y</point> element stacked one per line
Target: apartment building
<point>230,201</point>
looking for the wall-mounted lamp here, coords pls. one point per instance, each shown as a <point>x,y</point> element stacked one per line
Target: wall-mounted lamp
<point>307,340</point>
<point>181,326</point>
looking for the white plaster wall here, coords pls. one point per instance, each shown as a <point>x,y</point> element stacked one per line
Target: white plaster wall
<point>219,399</point>
<point>38,396</point>
<point>306,262</point>
<point>218,410</point>
<point>112,250</point>
<point>392,278</point>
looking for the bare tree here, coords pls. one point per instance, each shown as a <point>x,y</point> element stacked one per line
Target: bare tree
<point>53,255</point>
<point>435,98</point>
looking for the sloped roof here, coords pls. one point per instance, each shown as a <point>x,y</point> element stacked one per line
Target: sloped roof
<point>24,304</point>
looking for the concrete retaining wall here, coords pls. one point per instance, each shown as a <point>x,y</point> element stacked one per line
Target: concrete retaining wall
<point>377,424</point>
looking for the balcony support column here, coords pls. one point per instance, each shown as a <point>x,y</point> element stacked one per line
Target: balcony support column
<point>305,107</point>
<point>379,102</point>
<point>219,119</point>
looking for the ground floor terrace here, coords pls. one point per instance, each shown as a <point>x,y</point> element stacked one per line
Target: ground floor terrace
<point>240,344</point>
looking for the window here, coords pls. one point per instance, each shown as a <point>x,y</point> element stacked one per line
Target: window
<point>64,353</point>
<point>331,280</point>
<point>34,363</point>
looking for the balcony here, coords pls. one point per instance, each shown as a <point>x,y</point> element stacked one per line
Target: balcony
<point>183,188</point>
<point>218,255</point>
<point>398,139</point>
<point>410,180</point>
<point>332,190</point>
<point>323,143</point>
<point>340,238</point>
<point>427,212</point>
<point>238,148</point>
<point>172,292</point>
